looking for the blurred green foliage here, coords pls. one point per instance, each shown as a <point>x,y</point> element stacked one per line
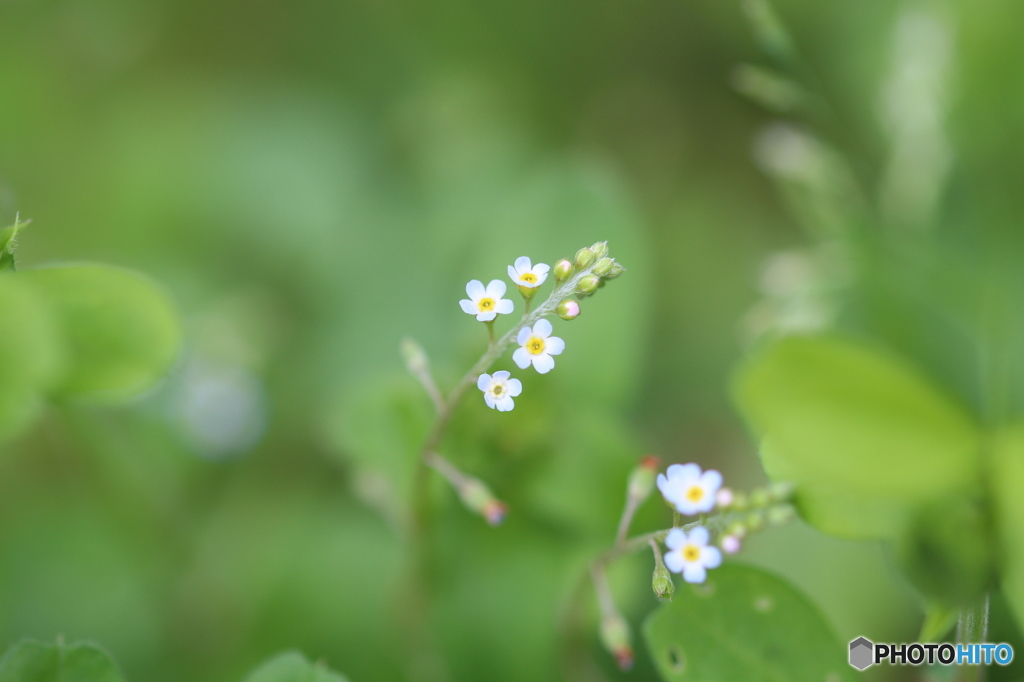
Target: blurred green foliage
<point>312,181</point>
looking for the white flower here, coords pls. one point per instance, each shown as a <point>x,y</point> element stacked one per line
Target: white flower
<point>524,275</point>
<point>499,389</point>
<point>537,346</point>
<point>690,554</point>
<point>486,303</point>
<point>688,490</point>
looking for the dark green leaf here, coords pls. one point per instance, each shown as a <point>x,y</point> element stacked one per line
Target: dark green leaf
<point>743,624</point>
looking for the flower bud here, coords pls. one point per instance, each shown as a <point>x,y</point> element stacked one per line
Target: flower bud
<point>759,497</point>
<point>731,544</point>
<point>527,292</point>
<point>781,492</point>
<point>563,269</point>
<point>755,521</point>
<point>478,498</point>
<point>414,355</point>
<point>584,257</point>
<point>662,583</point>
<point>600,249</point>
<point>641,479</point>
<point>615,271</point>
<point>615,638</point>
<point>723,498</point>
<point>568,310</point>
<point>587,285</point>
<point>781,514</point>
<point>603,267</point>
<point>737,529</point>
<point>739,500</point>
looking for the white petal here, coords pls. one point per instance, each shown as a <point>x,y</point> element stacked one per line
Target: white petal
<point>523,264</point>
<point>513,275</point>
<point>543,363</point>
<point>554,345</point>
<point>489,399</point>
<point>506,404</point>
<point>711,480</point>
<point>694,573</point>
<point>483,382</point>
<point>711,557</point>
<point>685,507</point>
<point>542,328</point>
<point>514,387</point>
<point>676,538</point>
<point>541,269</point>
<point>699,535</point>
<point>524,334</point>
<point>674,562</point>
<point>662,482</point>
<point>475,289</point>
<point>541,278</point>
<point>521,357</point>
<point>683,471</point>
<point>496,289</point>
<point>486,317</point>
<point>706,504</point>
<point>502,375</point>
<point>504,306</point>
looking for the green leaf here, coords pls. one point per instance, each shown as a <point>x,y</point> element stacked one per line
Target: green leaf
<point>8,241</point>
<point>291,666</point>
<point>856,429</point>
<point>1007,481</point>
<point>119,329</point>
<point>743,624</point>
<point>29,355</point>
<point>32,661</point>
<point>938,620</point>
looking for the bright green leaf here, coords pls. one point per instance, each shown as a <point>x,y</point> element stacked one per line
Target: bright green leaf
<point>119,329</point>
<point>743,624</point>
<point>857,429</point>
<point>32,661</point>
<point>292,667</point>
<point>1007,480</point>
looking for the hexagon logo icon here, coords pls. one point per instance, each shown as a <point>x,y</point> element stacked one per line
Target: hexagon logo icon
<point>861,651</point>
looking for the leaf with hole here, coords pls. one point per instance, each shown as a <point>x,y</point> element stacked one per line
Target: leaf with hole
<point>743,624</point>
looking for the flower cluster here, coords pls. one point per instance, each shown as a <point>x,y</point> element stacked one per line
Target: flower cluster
<point>588,271</point>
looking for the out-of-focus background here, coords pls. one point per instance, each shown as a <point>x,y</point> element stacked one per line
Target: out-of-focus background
<point>313,180</point>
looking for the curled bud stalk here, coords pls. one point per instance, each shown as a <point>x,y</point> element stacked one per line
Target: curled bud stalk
<point>587,285</point>
<point>603,267</point>
<point>568,310</point>
<point>563,270</point>
<point>600,249</point>
<point>584,258</point>
<point>616,639</point>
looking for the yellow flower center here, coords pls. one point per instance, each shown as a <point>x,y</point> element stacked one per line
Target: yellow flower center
<point>695,493</point>
<point>485,304</point>
<point>497,389</point>
<point>691,552</point>
<point>535,345</point>
<point>529,278</point>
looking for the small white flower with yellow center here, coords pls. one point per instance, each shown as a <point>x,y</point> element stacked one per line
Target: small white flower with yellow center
<point>690,554</point>
<point>487,303</point>
<point>525,274</point>
<point>688,490</point>
<point>499,389</point>
<point>537,346</point>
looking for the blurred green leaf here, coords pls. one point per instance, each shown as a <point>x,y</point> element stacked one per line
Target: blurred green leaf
<point>743,624</point>
<point>1007,480</point>
<point>119,329</point>
<point>8,241</point>
<point>32,661</point>
<point>938,620</point>
<point>292,666</point>
<point>857,430</point>
<point>29,355</point>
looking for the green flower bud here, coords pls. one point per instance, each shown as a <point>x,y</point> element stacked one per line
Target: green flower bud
<point>478,498</point>
<point>568,309</point>
<point>587,285</point>
<point>737,529</point>
<point>615,271</point>
<point>739,500</point>
<point>755,521</point>
<point>781,514</point>
<point>662,583</point>
<point>584,257</point>
<point>781,492</point>
<point>600,249</point>
<point>563,269</point>
<point>603,267</point>
<point>414,355</point>
<point>616,639</point>
<point>641,479</point>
